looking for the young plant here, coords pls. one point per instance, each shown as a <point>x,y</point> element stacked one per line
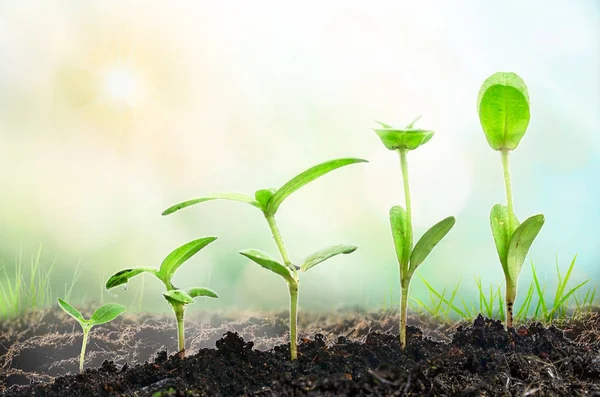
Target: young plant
<point>503,106</point>
<point>409,257</point>
<point>178,299</point>
<point>102,315</point>
<point>268,202</point>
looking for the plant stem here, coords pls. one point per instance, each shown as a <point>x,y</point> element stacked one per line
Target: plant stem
<point>86,330</point>
<point>404,269</point>
<point>511,295</point>
<point>178,309</point>
<point>507,185</point>
<point>403,314</point>
<point>279,241</point>
<point>293,287</point>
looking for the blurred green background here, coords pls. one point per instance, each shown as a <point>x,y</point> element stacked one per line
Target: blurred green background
<point>112,111</point>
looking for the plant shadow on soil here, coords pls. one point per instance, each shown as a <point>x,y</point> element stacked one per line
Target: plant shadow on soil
<point>353,353</point>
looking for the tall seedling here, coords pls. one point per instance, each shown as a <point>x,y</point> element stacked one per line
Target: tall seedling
<point>409,257</point>
<point>503,106</point>
<point>268,202</point>
<point>178,299</point>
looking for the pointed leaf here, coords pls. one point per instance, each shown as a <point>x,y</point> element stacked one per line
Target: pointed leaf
<point>122,277</point>
<point>384,125</point>
<point>325,254</point>
<point>263,196</point>
<point>501,231</point>
<point>412,123</point>
<point>503,106</point>
<point>242,198</point>
<point>398,223</point>
<point>305,177</point>
<point>182,254</point>
<point>71,311</point>
<point>178,296</point>
<point>267,262</point>
<point>429,240</point>
<point>106,313</point>
<point>195,292</point>
<point>520,243</point>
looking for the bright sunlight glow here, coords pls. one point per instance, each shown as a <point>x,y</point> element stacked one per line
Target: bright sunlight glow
<point>120,84</point>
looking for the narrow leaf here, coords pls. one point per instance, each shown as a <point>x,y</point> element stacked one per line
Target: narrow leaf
<point>122,277</point>
<point>178,296</point>
<point>429,240</point>
<point>71,311</point>
<point>263,196</point>
<point>520,243</point>
<point>242,198</point>
<point>384,125</point>
<point>398,224</point>
<point>195,292</point>
<point>501,231</point>
<point>107,313</point>
<point>182,254</point>
<point>326,253</point>
<point>305,177</point>
<point>267,262</point>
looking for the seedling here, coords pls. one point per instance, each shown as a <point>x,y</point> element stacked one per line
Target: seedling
<point>503,106</point>
<point>409,257</point>
<point>178,299</point>
<point>102,315</point>
<point>268,202</point>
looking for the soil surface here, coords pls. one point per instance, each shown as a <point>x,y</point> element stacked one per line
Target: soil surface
<point>345,354</point>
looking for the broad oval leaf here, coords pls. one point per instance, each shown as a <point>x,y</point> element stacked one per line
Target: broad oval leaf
<point>180,255</point>
<point>263,196</point>
<point>71,311</point>
<point>106,313</point>
<point>326,253</point>
<point>242,198</point>
<point>411,139</point>
<point>398,223</point>
<point>520,243</point>
<point>122,277</point>
<point>503,106</point>
<point>178,296</point>
<point>501,231</point>
<point>429,240</point>
<point>195,292</point>
<point>267,262</point>
<point>304,178</point>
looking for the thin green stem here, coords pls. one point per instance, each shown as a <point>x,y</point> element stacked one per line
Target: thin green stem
<point>403,315</point>
<point>293,287</point>
<point>279,241</point>
<point>511,295</point>
<point>409,230</point>
<point>179,310</point>
<point>86,330</point>
<point>507,185</point>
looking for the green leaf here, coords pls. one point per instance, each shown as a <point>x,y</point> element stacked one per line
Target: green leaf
<point>305,177</point>
<point>122,277</point>
<point>384,125</point>
<point>71,311</point>
<point>325,254</point>
<point>398,139</point>
<point>263,196</point>
<point>195,292</point>
<point>178,296</point>
<point>503,106</point>
<point>106,313</point>
<point>520,243</point>
<point>242,198</point>
<point>267,262</point>
<point>398,223</point>
<point>182,254</point>
<point>429,240</point>
<point>501,231</point>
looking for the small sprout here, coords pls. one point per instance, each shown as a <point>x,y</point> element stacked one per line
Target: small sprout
<point>178,299</point>
<point>409,257</point>
<point>102,315</point>
<point>503,106</point>
<point>268,201</point>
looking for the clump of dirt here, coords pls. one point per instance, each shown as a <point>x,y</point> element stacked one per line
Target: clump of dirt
<point>345,354</point>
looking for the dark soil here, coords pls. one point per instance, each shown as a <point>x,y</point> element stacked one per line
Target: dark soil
<point>347,354</point>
